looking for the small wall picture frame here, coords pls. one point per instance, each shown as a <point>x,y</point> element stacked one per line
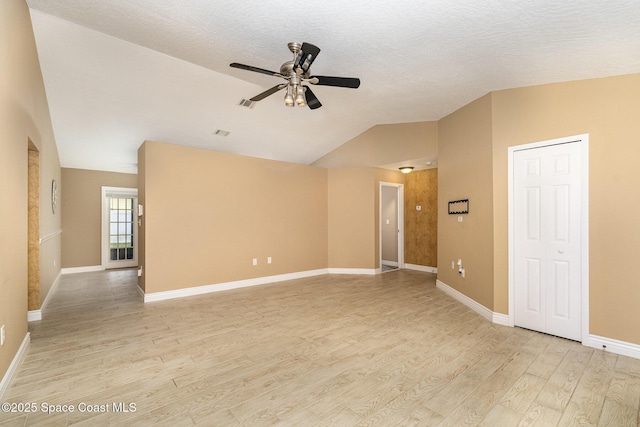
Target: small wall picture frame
<point>457,207</point>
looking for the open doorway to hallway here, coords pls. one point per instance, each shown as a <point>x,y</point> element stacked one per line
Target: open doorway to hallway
<point>391,226</point>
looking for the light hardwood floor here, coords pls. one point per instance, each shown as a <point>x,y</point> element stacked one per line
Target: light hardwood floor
<point>335,350</point>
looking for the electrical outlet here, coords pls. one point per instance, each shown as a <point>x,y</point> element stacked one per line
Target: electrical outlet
<point>453,265</point>
<point>255,261</point>
<point>268,260</point>
<point>2,336</point>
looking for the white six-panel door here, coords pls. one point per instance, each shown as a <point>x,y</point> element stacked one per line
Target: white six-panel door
<point>547,238</point>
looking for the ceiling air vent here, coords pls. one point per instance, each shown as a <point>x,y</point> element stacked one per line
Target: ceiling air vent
<point>221,132</point>
<point>246,103</point>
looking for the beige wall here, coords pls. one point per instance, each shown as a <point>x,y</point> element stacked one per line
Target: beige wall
<point>421,227</point>
<point>208,214</point>
<point>24,116</point>
<point>351,227</point>
<point>464,172</point>
<point>385,144</point>
<point>608,110</point>
<point>354,215</point>
<point>82,217</point>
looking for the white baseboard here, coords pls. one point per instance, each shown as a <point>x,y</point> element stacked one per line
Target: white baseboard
<point>86,269</point>
<point>370,271</point>
<point>607,344</point>
<point>140,291</point>
<point>391,263</point>
<point>199,290</point>
<point>13,367</point>
<point>614,346</point>
<point>472,304</point>
<point>421,268</point>
<point>36,315</point>
<point>501,319</point>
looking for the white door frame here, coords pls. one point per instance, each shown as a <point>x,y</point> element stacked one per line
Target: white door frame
<point>583,140</point>
<point>104,240</point>
<point>400,189</point>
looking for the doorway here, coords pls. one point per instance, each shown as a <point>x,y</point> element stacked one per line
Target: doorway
<point>119,227</point>
<point>548,237</point>
<point>391,226</point>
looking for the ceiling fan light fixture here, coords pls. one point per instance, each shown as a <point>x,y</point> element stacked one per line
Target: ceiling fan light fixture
<point>406,169</point>
<point>300,97</point>
<point>288,98</point>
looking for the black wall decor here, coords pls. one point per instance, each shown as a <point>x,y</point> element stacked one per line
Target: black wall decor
<point>459,207</point>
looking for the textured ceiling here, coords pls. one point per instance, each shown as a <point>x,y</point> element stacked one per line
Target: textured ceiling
<point>119,72</point>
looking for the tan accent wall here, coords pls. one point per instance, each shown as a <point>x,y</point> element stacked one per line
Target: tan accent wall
<point>465,172</point>
<point>608,110</point>
<point>208,214</point>
<point>421,227</point>
<point>82,213</point>
<point>385,144</point>
<point>33,230</point>
<point>24,116</point>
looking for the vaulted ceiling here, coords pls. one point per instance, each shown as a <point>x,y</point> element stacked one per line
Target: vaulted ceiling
<point>120,72</point>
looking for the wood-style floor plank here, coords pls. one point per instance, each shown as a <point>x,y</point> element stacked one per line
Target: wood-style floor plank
<point>334,350</point>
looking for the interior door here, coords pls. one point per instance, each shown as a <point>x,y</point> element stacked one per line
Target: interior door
<point>547,228</point>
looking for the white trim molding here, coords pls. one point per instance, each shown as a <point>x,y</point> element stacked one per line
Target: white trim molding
<point>13,367</point>
<point>86,269</point>
<point>472,304</point>
<point>206,289</point>
<point>369,271</point>
<point>614,346</point>
<point>602,343</point>
<point>421,268</point>
<point>50,236</point>
<point>501,319</point>
<point>36,315</point>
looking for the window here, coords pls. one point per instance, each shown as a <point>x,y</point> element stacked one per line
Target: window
<point>121,228</point>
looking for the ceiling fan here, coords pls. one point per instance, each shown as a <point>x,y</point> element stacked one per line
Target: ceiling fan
<point>296,73</point>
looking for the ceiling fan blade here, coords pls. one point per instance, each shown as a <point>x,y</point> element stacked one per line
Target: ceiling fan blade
<point>312,101</point>
<point>268,92</point>
<point>350,82</point>
<point>305,58</point>
<point>255,69</point>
